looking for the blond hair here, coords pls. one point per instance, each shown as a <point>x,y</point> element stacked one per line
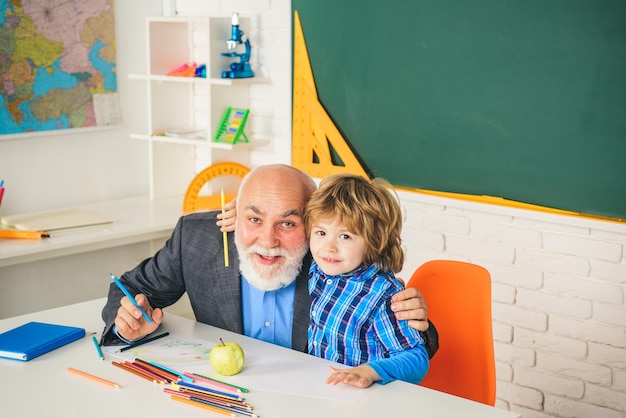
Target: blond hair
<point>364,207</point>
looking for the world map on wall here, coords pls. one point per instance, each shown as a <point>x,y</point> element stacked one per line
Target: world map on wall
<point>56,56</point>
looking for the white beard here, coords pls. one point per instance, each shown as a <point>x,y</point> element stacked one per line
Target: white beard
<point>274,277</point>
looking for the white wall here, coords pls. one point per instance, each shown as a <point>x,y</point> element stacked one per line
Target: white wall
<point>559,283</point>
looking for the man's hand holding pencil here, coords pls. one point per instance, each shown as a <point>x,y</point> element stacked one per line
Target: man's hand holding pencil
<point>131,323</point>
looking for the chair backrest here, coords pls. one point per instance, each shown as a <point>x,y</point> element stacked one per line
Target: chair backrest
<point>459,304</point>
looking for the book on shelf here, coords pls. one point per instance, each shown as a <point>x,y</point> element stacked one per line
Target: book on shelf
<point>185,133</point>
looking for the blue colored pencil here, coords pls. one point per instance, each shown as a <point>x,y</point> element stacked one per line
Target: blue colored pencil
<point>129,296</point>
<point>95,342</point>
<point>167,369</point>
<point>207,390</point>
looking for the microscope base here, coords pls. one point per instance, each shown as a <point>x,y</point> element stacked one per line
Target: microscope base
<point>237,74</point>
<point>238,70</point>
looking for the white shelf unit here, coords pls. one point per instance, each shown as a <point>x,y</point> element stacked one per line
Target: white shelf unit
<point>190,104</point>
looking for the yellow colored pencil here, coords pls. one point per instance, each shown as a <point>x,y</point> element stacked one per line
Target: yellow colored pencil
<point>94,378</point>
<point>18,233</point>
<point>224,235</point>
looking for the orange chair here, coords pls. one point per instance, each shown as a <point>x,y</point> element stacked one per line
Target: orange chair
<point>459,304</point>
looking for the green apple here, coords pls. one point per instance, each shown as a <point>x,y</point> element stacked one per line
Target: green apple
<point>227,358</point>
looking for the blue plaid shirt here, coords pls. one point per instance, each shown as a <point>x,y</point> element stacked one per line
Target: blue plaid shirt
<point>351,322</point>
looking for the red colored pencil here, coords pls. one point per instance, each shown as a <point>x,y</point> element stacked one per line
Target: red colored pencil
<point>148,372</point>
<point>156,370</point>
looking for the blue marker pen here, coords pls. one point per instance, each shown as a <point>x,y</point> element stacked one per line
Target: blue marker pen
<point>129,296</point>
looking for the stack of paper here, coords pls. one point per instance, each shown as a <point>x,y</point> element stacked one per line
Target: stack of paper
<point>56,221</point>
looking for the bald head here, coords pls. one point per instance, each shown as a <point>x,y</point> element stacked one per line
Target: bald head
<point>278,178</point>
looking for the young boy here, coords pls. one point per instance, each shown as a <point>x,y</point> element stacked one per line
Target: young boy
<point>354,230</point>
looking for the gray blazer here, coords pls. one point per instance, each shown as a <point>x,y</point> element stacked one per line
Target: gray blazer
<point>192,260</point>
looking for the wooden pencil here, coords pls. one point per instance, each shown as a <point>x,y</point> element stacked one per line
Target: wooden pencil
<point>134,366</point>
<point>18,233</point>
<point>156,370</point>
<point>202,405</point>
<point>133,371</point>
<point>213,382</point>
<point>94,378</point>
<point>207,397</point>
<point>210,391</point>
<point>233,406</point>
<point>207,378</point>
<point>180,375</point>
<point>142,342</point>
<point>224,235</point>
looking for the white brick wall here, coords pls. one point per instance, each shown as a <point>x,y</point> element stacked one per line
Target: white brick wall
<point>558,283</point>
<point>558,289</point>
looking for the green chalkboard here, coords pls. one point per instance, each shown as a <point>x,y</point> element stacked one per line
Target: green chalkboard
<point>524,100</point>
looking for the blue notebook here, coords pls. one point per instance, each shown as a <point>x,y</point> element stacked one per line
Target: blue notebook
<point>36,338</point>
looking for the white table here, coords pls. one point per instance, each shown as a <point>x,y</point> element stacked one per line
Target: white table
<point>43,387</point>
<point>136,220</point>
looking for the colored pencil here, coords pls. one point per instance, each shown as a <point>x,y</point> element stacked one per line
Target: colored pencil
<point>209,391</point>
<point>158,378</point>
<point>129,296</point>
<point>170,377</point>
<point>181,376</point>
<point>225,236</point>
<point>213,382</point>
<point>246,410</point>
<point>94,378</point>
<point>134,371</point>
<point>235,405</point>
<point>142,342</point>
<point>207,396</point>
<point>95,343</point>
<point>202,405</point>
<point>18,233</point>
<point>244,390</point>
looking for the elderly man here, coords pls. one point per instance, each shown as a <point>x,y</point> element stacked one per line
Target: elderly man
<point>263,293</point>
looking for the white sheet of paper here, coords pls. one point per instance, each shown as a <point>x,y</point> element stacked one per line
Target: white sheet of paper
<point>277,374</point>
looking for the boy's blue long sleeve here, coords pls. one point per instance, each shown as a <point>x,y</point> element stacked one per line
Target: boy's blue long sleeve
<point>409,365</point>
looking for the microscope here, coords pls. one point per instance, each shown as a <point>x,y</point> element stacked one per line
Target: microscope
<point>242,68</point>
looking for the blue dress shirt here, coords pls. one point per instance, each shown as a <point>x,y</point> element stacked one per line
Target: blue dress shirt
<point>268,316</point>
